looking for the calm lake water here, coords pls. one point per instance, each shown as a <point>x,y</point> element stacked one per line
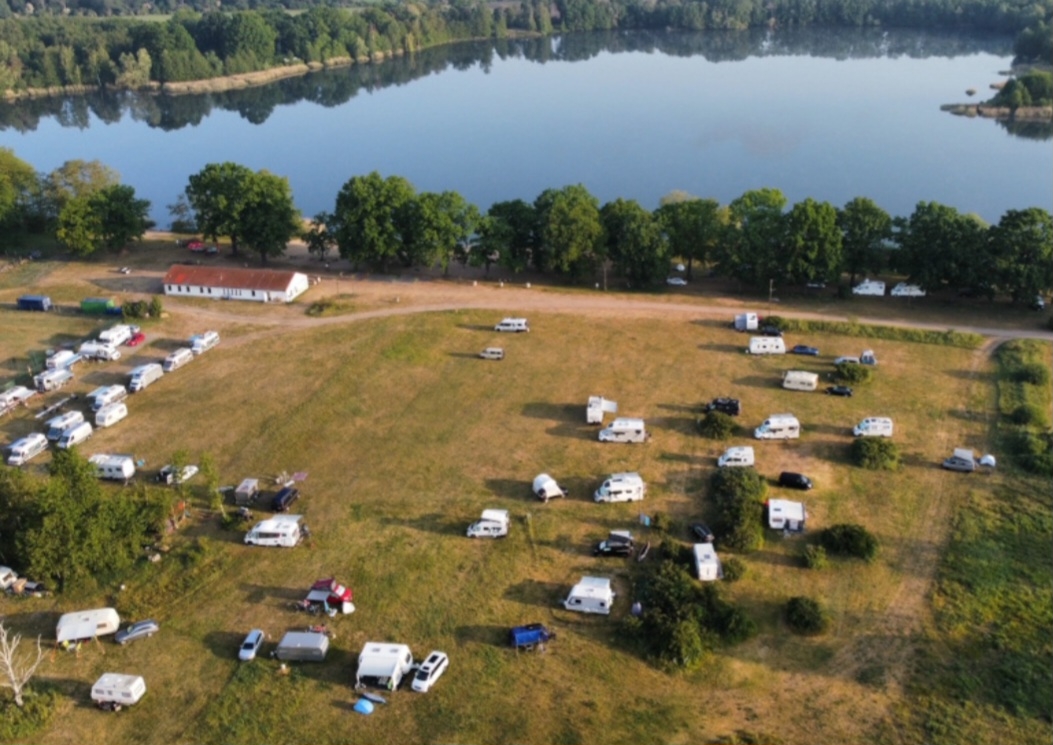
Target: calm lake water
<point>830,115</point>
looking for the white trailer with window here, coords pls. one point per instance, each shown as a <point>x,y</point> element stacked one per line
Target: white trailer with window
<point>383,665</point>
<point>113,690</point>
<point>87,624</point>
<point>799,380</point>
<point>142,376</point>
<point>591,595</point>
<point>786,515</point>
<point>114,467</point>
<point>597,407</point>
<point>778,427</point>
<point>707,563</point>
<point>52,380</point>
<point>200,343</point>
<point>59,424</point>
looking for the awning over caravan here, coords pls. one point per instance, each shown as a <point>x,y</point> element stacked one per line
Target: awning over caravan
<point>87,624</point>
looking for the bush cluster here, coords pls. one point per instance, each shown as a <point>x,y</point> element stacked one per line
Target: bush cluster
<point>849,540</point>
<point>806,616</point>
<point>875,453</point>
<point>850,372</point>
<point>850,328</point>
<point>41,703</point>
<point>716,425</point>
<point>814,557</point>
<point>139,309</point>
<point>739,494</point>
<point>1024,400</point>
<point>734,570</point>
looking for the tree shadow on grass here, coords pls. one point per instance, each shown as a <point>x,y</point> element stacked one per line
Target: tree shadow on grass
<point>226,644</point>
<point>535,593</point>
<point>714,347</point>
<point>559,412</point>
<point>489,635</point>
<point>130,283</point>
<point>434,522</point>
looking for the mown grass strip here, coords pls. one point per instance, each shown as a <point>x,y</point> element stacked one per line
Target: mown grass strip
<point>949,338</point>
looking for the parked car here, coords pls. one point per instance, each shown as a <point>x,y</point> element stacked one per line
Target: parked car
<point>839,390</point>
<point>284,499</point>
<point>729,406</point>
<point>167,475</point>
<point>251,646</point>
<point>794,480</point>
<point>609,548</point>
<point>802,349</point>
<point>702,533</point>
<point>138,630</point>
<point>196,246</point>
<point>1039,303</point>
<point>769,331</point>
<point>492,353</point>
<point>676,281</point>
<point>847,360</point>
<point>136,340</point>
<point>430,671</point>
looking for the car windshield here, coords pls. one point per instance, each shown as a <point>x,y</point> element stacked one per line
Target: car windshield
<point>250,643</point>
<point>423,674</point>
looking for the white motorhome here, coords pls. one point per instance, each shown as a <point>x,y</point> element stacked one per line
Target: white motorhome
<point>513,324</point>
<point>778,427</point>
<point>87,624</point>
<point>905,290</point>
<point>115,689</point>
<point>52,380</point>
<point>869,287</point>
<point>75,435</point>
<point>739,456</point>
<point>57,425</point>
<point>12,397</point>
<point>26,448</point>
<point>106,395</point>
<point>142,376</point>
<point>93,350</point>
<point>110,414</point>
<point>786,515</point>
<point>591,595</point>
<point>707,564</point>
<point>383,665</point>
<point>200,343</point>
<point>747,322</point>
<point>597,407</point>
<point>281,530</point>
<point>766,345</point>
<point>546,488</point>
<point>492,524</point>
<point>625,430</point>
<point>874,426</point>
<point>118,335</point>
<point>115,467</point>
<point>177,359</point>
<point>621,487</point>
<point>62,359</point>
<point>799,380</point>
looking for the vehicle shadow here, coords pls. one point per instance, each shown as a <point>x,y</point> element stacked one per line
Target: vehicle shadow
<point>573,431</point>
<point>474,327</point>
<point>258,593</point>
<point>680,408</point>
<point>534,592</point>
<point>463,355</point>
<point>714,347</point>
<point>435,522</point>
<point>225,644</point>
<point>759,381</point>
<point>495,636</point>
<point>559,412</point>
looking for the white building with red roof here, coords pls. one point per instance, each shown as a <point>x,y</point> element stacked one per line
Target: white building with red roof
<point>260,285</point>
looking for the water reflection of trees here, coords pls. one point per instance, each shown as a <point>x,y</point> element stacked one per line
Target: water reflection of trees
<point>1029,129</point>
<point>335,87</point>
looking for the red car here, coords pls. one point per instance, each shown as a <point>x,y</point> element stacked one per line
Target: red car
<point>136,340</point>
<point>196,246</point>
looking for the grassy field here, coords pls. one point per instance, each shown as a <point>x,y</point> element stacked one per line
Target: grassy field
<point>406,437</point>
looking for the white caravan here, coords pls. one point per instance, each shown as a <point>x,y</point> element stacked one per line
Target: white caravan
<point>747,322</point>
<point>75,435</point>
<point>597,407</point>
<point>905,290</point>
<point>383,665</point>
<point>57,425</point>
<point>87,624</point>
<point>869,287</point>
<point>93,350</point>
<point>200,343</point>
<point>707,563</point>
<point>115,689</point>
<point>621,487</point>
<point>26,448</point>
<point>118,335</point>
<point>492,524</point>
<point>114,467</point>
<point>591,595</point>
<point>280,530</point>
<point>52,380</point>
<point>766,345</point>
<point>778,427</point>
<point>177,359</point>
<point>110,414</point>
<point>799,380</point>
<point>142,376</point>
<point>62,359</point>
<point>874,426</point>
<point>786,515</point>
<point>739,456</point>
<point>625,430</point>
<point>513,324</point>
<point>106,395</point>
<point>12,397</point>
<point>546,488</point>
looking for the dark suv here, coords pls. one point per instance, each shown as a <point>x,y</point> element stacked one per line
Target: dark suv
<point>284,499</point>
<point>729,406</point>
<point>794,480</point>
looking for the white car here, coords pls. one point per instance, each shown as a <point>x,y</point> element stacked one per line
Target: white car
<point>492,353</point>
<point>869,287</point>
<point>251,645</point>
<point>677,281</point>
<point>905,290</point>
<point>430,671</point>
<point>167,475</point>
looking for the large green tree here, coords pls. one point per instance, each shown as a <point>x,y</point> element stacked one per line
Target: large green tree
<point>18,184</point>
<point>433,226</point>
<point>365,219</point>
<point>268,219</point>
<point>107,219</point>
<point>507,235</point>
<point>634,242</point>
<point>755,232</point>
<point>1022,246</point>
<point>941,246</point>
<point>811,249</point>
<point>217,193</point>
<point>75,179</point>
<point>865,229</point>
<point>570,232</point>
<point>693,227</point>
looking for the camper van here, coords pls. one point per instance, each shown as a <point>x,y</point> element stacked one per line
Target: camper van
<point>546,488</point>
<point>766,345</point>
<point>625,430</point>
<point>786,515</point>
<point>740,456</point>
<point>779,427</point>
<point>200,343</point>
<point>62,359</point>
<point>621,487</point>
<point>118,335</point>
<point>115,467</point>
<point>177,359</point>
<point>747,322</point>
<point>281,530</point>
<point>110,414</point>
<point>597,407</point>
<point>869,287</point>
<point>26,449</point>
<point>874,426</point>
<point>142,376</point>
<point>707,563</point>
<point>12,397</point>
<point>798,380</point>
<point>87,624</point>
<point>515,325</point>
<point>93,350</point>
<point>383,665</point>
<point>591,595</point>
<point>52,380</point>
<point>57,425</point>
<point>106,395</point>
<point>75,435</point>
<point>303,646</point>
<point>114,690</point>
<point>492,524</point>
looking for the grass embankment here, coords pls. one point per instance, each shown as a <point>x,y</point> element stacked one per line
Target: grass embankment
<point>949,338</point>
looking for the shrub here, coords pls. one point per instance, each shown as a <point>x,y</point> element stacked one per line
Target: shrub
<point>875,453</point>
<point>1032,451</point>
<point>806,616</point>
<point>41,702</point>
<point>814,557</point>
<point>716,425</point>
<point>135,309</point>
<point>156,307</point>
<point>1034,373</point>
<point>734,570</point>
<point>849,540</point>
<point>1028,415</point>
<point>851,372</point>
<point>661,522</point>
<point>739,494</point>
<point>777,321</point>
<point>678,553</point>
<point>854,328</point>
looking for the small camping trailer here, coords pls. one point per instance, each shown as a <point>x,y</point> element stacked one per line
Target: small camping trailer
<point>597,407</point>
<point>546,488</point>
<point>383,665</point>
<point>707,563</point>
<point>786,515</point>
<point>87,624</point>
<point>591,595</point>
<point>114,689</point>
<point>303,646</point>
<point>746,322</point>
<point>799,380</point>
<point>247,492</point>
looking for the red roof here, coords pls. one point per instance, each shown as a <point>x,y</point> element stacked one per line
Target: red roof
<point>236,279</point>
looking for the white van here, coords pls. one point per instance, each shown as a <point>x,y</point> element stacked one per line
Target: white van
<point>746,322</point>
<point>779,427</point>
<point>766,345</point>
<point>144,375</point>
<point>75,435</point>
<point>115,467</point>
<point>106,395</point>
<point>591,595</point>
<point>93,350</point>
<point>515,325</point>
<point>492,524</point>
<point>27,448</point>
<point>799,380</point>
<point>109,415</point>
<point>874,426</point>
<point>280,530</point>
<point>738,456</point>
<point>57,425</point>
<point>625,430</point>
<point>114,690</point>
<point>869,287</point>
<point>621,487</point>
<point>62,359</point>
<point>177,359</point>
<point>52,380</point>
<point>200,343</point>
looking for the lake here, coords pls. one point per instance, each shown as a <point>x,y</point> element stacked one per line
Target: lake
<point>818,113</point>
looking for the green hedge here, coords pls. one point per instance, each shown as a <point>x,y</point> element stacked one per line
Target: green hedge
<point>851,372</point>
<point>947,338</point>
<point>739,494</point>
<point>1024,402</point>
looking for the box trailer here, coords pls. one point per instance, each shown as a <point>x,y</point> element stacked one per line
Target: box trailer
<point>52,380</point>
<point>59,424</point>
<point>383,665</point>
<point>281,530</point>
<point>303,646</point>
<point>799,380</point>
<point>113,467</point>
<point>144,375</point>
<point>591,595</point>
<point>35,302</point>
<point>778,427</point>
<point>597,407</point>
<point>114,690</point>
<point>530,636</point>
<point>707,563</point>
<point>247,492</point>
<point>97,305</point>
<point>747,322</point>
<point>625,430</point>
<point>87,624</point>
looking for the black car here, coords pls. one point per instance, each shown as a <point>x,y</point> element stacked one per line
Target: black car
<point>702,532</point>
<point>284,499</point>
<point>729,406</point>
<point>607,548</point>
<point>769,331</point>
<point>794,480</point>
<point>838,390</point>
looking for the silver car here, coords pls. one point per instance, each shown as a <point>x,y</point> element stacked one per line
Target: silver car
<point>138,630</point>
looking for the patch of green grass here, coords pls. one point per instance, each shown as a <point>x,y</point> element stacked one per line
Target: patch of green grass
<point>331,306</point>
<point>949,338</point>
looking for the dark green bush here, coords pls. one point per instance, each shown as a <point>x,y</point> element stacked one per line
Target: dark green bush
<point>852,328</point>
<point>717,425</point>
<point>135,309</point>
<point>661,522</point>
<point>875,453</point>
<point>734,570</point>
<point>1034,373</point>
<point>806,616</point>
<point>777,321</point>
<point>1032,451</point>
<point>849,540</point>
<point>852,372</point>
<point>814,557</point>
<point>1028,415</point>
<point>739,494</point>
<point>156,308</point>
<point>41,703</point>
